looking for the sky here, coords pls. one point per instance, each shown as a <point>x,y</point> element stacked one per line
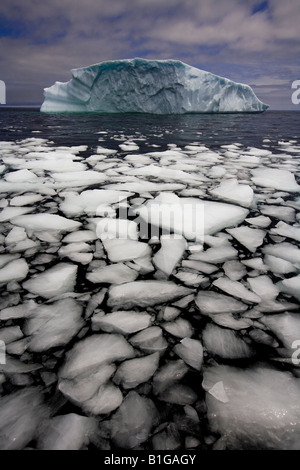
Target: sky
<point>248,41</point>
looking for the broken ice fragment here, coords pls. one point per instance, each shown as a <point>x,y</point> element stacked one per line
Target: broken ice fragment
<point>82,357</point>
<point>249,237</point>
<point>210,302</point>
<point>145,293</point>
<point>225,343</point>
<point>133,372</point>
<point>170,253</point>
<point>124,322</point>
<point>133,421</point>
<point>54,281</point>
<point>191,351</point>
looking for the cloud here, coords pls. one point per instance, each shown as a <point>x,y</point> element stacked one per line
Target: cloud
<point>43,40</point>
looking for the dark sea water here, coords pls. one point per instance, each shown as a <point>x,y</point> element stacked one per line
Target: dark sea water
<point>210,129</point>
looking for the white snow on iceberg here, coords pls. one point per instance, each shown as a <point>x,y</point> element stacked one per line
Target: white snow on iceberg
<point>149,86</point>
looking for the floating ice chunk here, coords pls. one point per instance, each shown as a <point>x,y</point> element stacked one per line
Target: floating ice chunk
<point>41,188</point>
<point>279,265</point>
<point>117,273</point>
<point>133,421</point>
<point>149,340</point>
<point>24,245</point>
<point>285,213</point>
<point>61,165</point>
<point>189,217</point>
<point>9,334</point>
<point>141,265</point>
<point>199,266</point>
<point>82,358</point>
<point>231,191</point>
<point>215,255</point>
<point>225,343</point>
<point>169,374</point>
<point>9,213</point>
<point>81,236</point>
<point>210,302</point>
<point>107,399</point>
<point>119,250</point>
<point>18,311</point>
<point>190,279</point>
<point>77,247</point>
<point>5,259</point>
<point>145,186</point>
<point>105,151</point>
<point>129,147</point>
<point>236,289</point>
<point>251,238</point>
<point>258,152</point>
<point>218,391</point>
<point>88,201</point>
<point>180,328</point>
<point>66,432</point>
<point>260,336</point>
<point>15,270</point>
<point>118,228</point>
<point>133,372</point>
<point>138,159</point>
<point>170,313</point>
<point>178,394</point>
<point>263,287</point>
<point>21,414</point>
<point>234,270</point>
<point>285,251</point>
<point>255,263</point>
<point>40,222</point>
<point>260,221</point>
<point>54,281</point>
<point>286,327</point>
<point>20,176</point>
<point>163,173</point>
<point>78,178</point>
<point>26,200</point>
<point>124,322</point>
<point>53,325</point>
<point>273,178</point>
<point>145,293</point>
<point>168,439</point>
<point>170,253</point>
<point>17,234</point>
<point>79,390</point>
<point>149,86</point>
<point>256,400</point>
<point>290,286</point>
<point>286,230</point>
<point>229,321</point>
<point>191,351</point>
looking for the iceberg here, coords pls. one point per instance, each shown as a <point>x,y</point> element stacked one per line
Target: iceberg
<point>149,86</point>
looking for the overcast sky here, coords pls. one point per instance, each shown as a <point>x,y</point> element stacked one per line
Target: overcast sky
<point>249,41</point>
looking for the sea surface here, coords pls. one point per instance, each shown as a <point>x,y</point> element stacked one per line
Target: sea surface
<point>112,340</point>
<point>209,129</point>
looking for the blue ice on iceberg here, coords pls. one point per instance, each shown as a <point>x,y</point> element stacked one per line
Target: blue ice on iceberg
<point>149,86</point>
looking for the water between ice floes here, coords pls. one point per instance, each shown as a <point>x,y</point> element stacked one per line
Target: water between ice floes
<point>149,276</point>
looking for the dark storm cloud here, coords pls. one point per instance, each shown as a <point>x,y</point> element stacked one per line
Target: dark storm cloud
<point>249,41</point>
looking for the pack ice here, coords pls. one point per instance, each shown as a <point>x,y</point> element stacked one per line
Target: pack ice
<point>149,86</point>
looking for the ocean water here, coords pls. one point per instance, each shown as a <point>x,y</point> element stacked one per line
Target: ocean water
<point>112,340</point>
<point>209,129</point>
